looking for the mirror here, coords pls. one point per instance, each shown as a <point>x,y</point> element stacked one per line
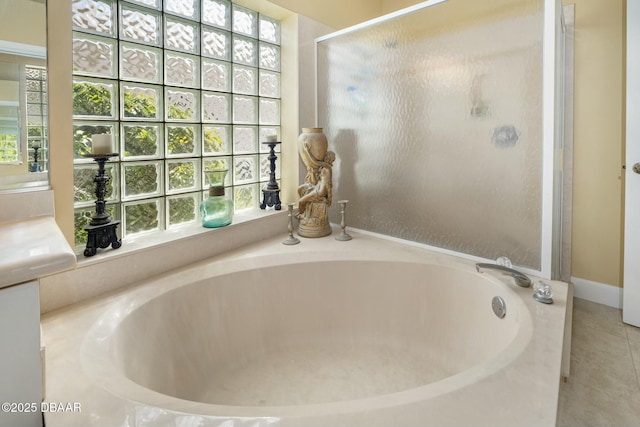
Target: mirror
<point>24,145</point>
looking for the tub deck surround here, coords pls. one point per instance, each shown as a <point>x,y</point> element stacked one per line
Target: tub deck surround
<point>151,254</point>
<point>241,336</point>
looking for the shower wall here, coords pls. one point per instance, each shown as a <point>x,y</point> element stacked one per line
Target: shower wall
<point>436,120</point>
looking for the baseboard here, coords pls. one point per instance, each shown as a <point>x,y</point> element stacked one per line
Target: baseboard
<point>597,292</point>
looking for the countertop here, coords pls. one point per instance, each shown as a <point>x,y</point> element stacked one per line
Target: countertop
<point>32,248</point>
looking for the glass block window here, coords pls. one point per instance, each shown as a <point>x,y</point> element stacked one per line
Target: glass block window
<point>37,117</point>
<point>184,86</point>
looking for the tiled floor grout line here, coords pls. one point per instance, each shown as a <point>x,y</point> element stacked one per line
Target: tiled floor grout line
<point>635,363</point>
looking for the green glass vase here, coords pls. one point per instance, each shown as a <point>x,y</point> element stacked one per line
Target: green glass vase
<point>217,209</point>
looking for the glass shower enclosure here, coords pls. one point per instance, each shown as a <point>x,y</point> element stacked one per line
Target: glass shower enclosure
<point>443,117</point>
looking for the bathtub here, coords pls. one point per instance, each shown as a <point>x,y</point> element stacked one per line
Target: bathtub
<point>362,333</point>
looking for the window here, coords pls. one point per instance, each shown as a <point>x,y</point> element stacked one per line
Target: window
<point>10,113</point>
<point>13,95</point>
<point>9,135</point>
<point>184,86</point>
<point>36,83</point>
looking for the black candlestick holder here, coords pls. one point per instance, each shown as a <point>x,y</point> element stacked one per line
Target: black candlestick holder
<point>35,166</point>
<point>102,229</point>
<point>271,193</point>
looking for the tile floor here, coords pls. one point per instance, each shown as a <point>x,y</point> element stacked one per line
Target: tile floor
<point>604,386</point>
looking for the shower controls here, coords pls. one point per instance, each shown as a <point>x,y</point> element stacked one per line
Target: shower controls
<point>543,292</point>
<point>504,261</point>
<point>636,168</point>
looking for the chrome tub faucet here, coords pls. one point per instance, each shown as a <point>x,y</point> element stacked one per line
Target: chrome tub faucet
<point>521,279</point>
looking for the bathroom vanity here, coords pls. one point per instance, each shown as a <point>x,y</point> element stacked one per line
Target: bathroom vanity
<point>31,246</point>
<point>20,365</point>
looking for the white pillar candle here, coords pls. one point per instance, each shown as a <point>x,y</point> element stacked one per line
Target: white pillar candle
<point>272,138</point>
<point>101,144</point>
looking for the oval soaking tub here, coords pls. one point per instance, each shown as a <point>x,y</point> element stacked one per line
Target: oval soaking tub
<point>312,338</point>
<point>314,333</point>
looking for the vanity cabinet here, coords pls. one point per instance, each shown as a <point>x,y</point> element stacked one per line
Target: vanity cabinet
<point>20,363</point>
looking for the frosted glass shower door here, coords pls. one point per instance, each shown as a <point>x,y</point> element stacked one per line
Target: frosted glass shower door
<point>436,118</point>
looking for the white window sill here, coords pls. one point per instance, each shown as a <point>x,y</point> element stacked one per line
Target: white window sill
<point>156,239</point>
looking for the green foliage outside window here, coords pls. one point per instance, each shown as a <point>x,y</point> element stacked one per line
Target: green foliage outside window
<point>34,129</point>
<point>139,105</point>
<point>181,140</point>
<point>182,210</point>
<point>92,99</point>
<point>8,147</point>
<point>177,112</point>
<point>140,141</point>
<point>243,198</point>
<point>141,179</point>
<point>213,141</point>
<point>181,175</point>
<point>141,217</point>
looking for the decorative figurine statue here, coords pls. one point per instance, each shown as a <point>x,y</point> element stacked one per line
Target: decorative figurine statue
<point>316,192</point>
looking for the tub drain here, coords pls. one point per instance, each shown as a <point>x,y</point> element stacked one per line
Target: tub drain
<point>499,307</point>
